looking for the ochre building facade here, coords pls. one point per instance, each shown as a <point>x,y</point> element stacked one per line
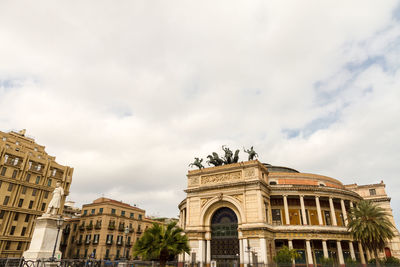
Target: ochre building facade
<point>28,176</point>
<point>245,212</point>
<point>107,229</point>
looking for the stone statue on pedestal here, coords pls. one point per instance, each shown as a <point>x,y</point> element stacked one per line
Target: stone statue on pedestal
<point>55,202</point>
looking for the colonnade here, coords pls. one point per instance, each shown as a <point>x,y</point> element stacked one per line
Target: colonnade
<point>319,212</point>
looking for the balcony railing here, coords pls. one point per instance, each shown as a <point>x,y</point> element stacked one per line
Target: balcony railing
<point>87,242</point>
<point>89,227</point>
<point>109,242</point>
<point>81,227</point>
<point>120,243</point>
<point>97,226</point>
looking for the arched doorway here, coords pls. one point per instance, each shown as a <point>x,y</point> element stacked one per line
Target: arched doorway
<point>224,237</point>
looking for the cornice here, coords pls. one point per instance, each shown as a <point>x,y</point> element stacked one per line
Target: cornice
<point>228,167</point>
<point>279,189</point>
<point>229,185</point>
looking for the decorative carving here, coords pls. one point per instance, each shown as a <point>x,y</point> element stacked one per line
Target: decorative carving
<point>193,181</point>
<point>204,201</point>
<point>249,172</point>
<point>220,196</point>
<point>239,198</point>
<point>220,178</point>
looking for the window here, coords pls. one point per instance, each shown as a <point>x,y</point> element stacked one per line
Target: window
<point>43,206</point>
<point>101,210</point>
<point>14,175</point>
<point>93,211</point>
<point>17,143</point>
<point>1,182</point>
<point>4,139</point>
<point>2,212</point>
<point>30,204</point>
<point>85,212</point>
<point>85,255</point>
<point>131,215</point>
<point>96,238</point>
<point>372,192</point>
<point>34,191</point>
<point>6,199</point>
<point>75,226</point>
<point>37,180</point>
<point>128,242</point>
<point>23,190</point>
<point>117,256</point>
<point>3,171</point>
<point>27,217</point>
<point>276,216</point>
<point>140,216</point>
<point>12,230</point>
<point>53,172</point>
<point>112,211</point>
<point>8,244</point>
<point>19,246</point>
<point>46,194</point>
<point>88,237</point>
<point>109,239</point>
<point>23,231</point>
<point>49,182</point>
<point>107,256</point>
<point>16,216</point>
<point>35,149</point>
<point>272,183</point>
<point>16,160</point>
<point>28,177</point>
<point>119,240</point>
<point>20,202</point>
<point>122,213</point>
<point>327,217</point>
<point>10,187</point>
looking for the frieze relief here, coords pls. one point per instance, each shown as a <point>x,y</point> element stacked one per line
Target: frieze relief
<point>193,181</point>
<point>239,198</point>
<point>221,178</point>
<point>204,201</point>
<point>249,172</point>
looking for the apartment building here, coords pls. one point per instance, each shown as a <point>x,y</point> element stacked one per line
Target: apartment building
<point>107,229</point>
<point>28,176</point>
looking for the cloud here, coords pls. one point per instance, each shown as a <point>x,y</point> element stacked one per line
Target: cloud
<point>129,93</point>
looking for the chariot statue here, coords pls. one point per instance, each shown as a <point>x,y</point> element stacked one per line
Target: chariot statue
<point>197,162</point>
<point>214,159</point>
<point>251,152</point>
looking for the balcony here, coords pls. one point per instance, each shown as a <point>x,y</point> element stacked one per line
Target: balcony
<point>89,227</point>
<point>97,226</point>
<point>111,227</point>
<point>131,230</point>
<point>121,228</point>
<point>128,244</point>
<point>109,242</point>
<point>79,242</point>
<point>120,243</point>
<point>87,242</point>
<point>82,227</point>
<point>139,231</point>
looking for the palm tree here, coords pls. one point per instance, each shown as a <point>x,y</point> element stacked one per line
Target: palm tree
<point>161,242</point>
<point>369,224</point>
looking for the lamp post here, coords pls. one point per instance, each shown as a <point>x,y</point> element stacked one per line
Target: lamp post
<point>59,222</point>
<point>126,232</point>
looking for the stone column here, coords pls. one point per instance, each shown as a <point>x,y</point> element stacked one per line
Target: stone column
<point>340,253</point>
<point>360,249</point>
<point>202,252</point>
<point>263,248</point>
<point>351,204</point>
<point>333,215</point>
<point>344,212</point>
<point>309,254</point>
<point>285,204</point>
<point>325,249</point>
<point>303,210</point>
<point>269,212</point>
<point>208,258</point>
<point>352,254</point>
<point>241,252</point>
<point>246,252</point>
<point>368,254</point>
<point>320,221</point>
<point>290,244</point>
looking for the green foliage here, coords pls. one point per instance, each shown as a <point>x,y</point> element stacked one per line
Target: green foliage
<point>286,255</point>
<point>326,261</point>
<point>370,225</point>
<point>392,261</point>
<point>373,261</point>
<point>350,262</point>
<point>161,243</point>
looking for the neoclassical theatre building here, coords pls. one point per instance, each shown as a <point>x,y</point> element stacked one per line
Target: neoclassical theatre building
<point>245,212</point>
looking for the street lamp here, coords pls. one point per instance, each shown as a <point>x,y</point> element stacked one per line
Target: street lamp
<point>59,222</point>
<point>126,232</point>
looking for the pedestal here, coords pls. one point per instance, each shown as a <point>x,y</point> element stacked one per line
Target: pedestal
<point>43,239</point>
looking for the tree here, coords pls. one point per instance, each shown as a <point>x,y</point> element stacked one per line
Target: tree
<point>285,256</point>
<point>161,243</point>
<point>369,224</point>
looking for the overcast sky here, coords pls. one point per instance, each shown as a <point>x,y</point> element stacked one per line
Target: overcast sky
<point>129,92</point>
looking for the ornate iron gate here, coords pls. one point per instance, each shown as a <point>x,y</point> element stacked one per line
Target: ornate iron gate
<point>224,238</point>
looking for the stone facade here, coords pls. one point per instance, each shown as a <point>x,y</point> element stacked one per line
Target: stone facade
<point>245,212</point>
<point>28,176</point>
<point>99,231</point>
